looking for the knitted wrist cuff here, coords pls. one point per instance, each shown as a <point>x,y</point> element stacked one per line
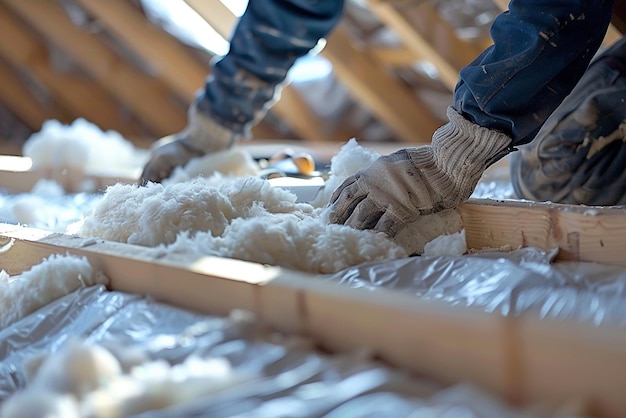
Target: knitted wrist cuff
<point>464,150</point>
<point>206,135</point>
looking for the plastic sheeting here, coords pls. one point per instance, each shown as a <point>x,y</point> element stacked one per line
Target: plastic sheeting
<point>291,378</point>
<point>518,282</point>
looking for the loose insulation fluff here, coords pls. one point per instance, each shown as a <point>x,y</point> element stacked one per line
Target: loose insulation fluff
<point>81,145</point>
<point>87,380</point>
<point>241,217</point>
<point>56,276</point>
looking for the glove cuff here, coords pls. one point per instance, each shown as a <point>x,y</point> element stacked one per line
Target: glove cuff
<point>463,150</point>
<point>204,135</point>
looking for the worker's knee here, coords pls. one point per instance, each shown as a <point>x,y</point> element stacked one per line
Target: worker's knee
<point>579,155</point>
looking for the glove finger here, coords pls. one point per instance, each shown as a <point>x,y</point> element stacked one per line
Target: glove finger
<point>365,215</point>
<point>155,171</point>
<point>345,203</point>
<point>339,190</point>
<point>389,224</point>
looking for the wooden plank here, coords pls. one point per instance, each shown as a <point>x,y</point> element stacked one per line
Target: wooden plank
<point>18,176</point>
<point>216,14</point>
<point>582,233</point>
<point>524,360</point>
<point>142,94</point>
<point>163,54</point>
<point>26,53</point>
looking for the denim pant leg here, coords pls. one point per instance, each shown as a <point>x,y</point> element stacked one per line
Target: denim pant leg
<point>541,49</point>
<point>268,39</point>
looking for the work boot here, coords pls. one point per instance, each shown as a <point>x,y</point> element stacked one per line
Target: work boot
<point>579,155</point>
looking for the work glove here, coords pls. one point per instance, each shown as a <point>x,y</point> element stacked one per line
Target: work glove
<point>396,189</point>
<point>201,136</point>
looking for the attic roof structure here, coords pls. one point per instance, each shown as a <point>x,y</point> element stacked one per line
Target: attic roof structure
<point>231,295</point>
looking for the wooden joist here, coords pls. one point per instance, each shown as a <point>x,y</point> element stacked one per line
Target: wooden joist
<point>582,233</point>
<point>525,360</point>
<point>145,96</point>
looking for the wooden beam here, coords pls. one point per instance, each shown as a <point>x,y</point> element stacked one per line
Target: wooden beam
<point>163,54</point>
<point>142,94</point>
<point>216,14</point>
<point>526,360</point>
<point>18,176</point>
<point>20,100</point>
<point>26,53</point>
<point>422,45</point>
<point>394,56</point>
<point>390,101</point>
<point>582,233</point>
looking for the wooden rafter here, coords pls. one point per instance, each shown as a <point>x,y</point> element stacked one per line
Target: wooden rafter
<point>27,53</point>
<point>163,54</point>
<point>19,99</point>
<point>394,56</point>
<point>216,14</point>
<point>145,96</point>
<point>393,103</point>
<point>433,40</point>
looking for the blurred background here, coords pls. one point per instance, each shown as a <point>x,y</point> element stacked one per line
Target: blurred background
<point>133,66</point>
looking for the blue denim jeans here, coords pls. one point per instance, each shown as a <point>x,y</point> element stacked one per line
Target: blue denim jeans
<point>270,36</point>
<point>541,49</point>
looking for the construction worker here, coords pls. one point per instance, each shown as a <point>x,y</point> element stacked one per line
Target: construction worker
<point>541,50</point>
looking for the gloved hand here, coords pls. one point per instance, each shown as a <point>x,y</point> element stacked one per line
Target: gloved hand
<point>201,136</point>
<point>396,189</point>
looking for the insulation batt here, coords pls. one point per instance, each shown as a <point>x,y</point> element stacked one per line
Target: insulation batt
<point>242,217</point>
<point>56,276</point>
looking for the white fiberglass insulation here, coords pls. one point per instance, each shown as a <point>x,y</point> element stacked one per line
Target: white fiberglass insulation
<point>240,217</point>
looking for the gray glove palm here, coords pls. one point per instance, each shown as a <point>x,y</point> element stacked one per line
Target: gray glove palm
<point>201,136</point>
<point>398,188</point>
